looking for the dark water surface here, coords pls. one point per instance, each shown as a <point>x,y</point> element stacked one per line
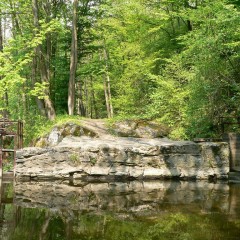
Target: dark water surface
<point>120,211</point>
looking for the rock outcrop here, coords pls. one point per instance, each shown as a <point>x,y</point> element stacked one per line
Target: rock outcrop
<point>97,128</point>
<point>89,158</point>
<point>58,133</point>
<point>139,129</point>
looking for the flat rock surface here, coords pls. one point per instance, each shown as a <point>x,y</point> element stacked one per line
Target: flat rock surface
<point>120,141</point>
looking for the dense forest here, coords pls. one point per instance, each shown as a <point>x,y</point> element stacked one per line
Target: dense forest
<point>174,61</point>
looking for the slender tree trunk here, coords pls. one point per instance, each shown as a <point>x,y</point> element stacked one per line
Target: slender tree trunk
<point>80,106</point>
<point>189,24</point>
<point>15,20</point>
<point>5,99</point>
<point>53,70</point>
<point>107,85</point>
<point>24,101</point>
<point>5,95</point>
<point>40,102</point>
<point>109,96</point>
<point>93,99</point>
<point>48,41</point>
<point>86,97</point>
<point>50,111</point>
<point>105,88</point>
<point>73,63</point>
<point>106,97</point>
<point>1,34</point>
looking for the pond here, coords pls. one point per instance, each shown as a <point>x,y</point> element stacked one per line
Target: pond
<point>120,211</point>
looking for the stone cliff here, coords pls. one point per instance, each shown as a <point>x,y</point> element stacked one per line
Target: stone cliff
<point>104,157</point>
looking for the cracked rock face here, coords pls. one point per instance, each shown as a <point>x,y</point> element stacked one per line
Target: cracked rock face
<point>123,158</point>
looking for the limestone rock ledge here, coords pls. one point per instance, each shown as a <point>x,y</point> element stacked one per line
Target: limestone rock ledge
<point>123,158</point>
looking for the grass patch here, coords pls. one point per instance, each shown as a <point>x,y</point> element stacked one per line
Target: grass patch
<point>39,126</point>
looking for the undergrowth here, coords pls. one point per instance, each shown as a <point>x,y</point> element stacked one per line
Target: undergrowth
<point>40,126</point>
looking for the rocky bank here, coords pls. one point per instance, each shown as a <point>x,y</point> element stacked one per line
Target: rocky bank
<point>103,157</point>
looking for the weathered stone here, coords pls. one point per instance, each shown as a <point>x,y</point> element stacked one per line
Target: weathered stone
<point>126,158</point>
<point>58,133</point>
<point>136,172</point>
<point>119,171</point>
<point>99,171</point>
<point>150,173</point>
<point>54,137</point>
<point>139,128</point>
<point>154,161</point>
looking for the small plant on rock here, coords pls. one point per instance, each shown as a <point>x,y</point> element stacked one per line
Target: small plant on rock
<point>74,157</point>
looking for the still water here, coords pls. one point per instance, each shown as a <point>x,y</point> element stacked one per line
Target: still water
<point>120,211</point>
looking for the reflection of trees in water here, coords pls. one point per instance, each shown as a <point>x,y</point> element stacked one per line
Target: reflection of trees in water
<point>45,225</point>
<point>8,212</point>
<point>108,227</point>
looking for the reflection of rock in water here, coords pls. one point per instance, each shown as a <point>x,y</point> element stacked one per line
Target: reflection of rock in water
<point>132,197</point>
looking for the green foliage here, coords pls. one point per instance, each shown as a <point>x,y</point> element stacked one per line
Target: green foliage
<point>34,127</point>
<point>169,99</point>
<point>39,90</point>
<point>74,157</point>
<point>212,48</point>
<point>200,83</point>
<point>8,166</point>
<point>37,126</point>
<point>174,61</point>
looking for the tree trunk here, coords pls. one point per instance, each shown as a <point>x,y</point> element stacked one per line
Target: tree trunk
<point>73,63</point>
<point>5,99</point>
<point>49,108</point>
<point>40,103</point>
<point>106,97</point>
<point>86,96</point>
<point>24,102</point>
<point>107,85</point>
<point>109,95</point>
<point>15,21</point>
<point>80,106</point>
<point>5,96</point>
<point>1,34</point>
<point>93,100</point>
<point>189,24</point>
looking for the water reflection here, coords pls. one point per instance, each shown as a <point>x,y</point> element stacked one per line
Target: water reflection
<point>131,210</point>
